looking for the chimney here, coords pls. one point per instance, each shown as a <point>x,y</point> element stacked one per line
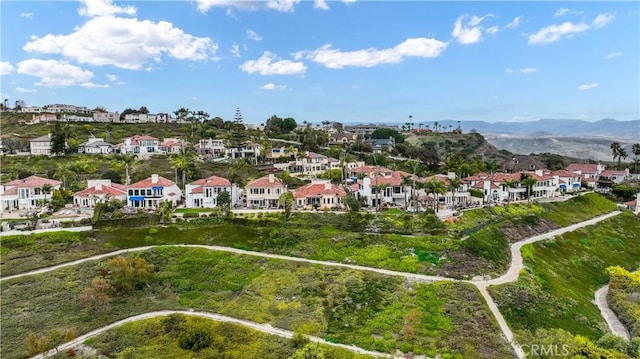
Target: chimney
<point>99,186</point>
<point>154,178</point>
<point>327,185</point>
<point>272,178</point>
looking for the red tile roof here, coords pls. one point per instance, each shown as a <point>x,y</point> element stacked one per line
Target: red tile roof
<point>105,190</point>
<point>264,182</point>
<point>607,173</point>
<point>354,187</point>
<point>33,182</point>
<point>631,203</point>
<point>318,189</point>
<point>199,189</point>
<point>583,167</point>
<point>564,173</point>
<point>213,181</point>
<point>370,169</point>
<point>146,183</point>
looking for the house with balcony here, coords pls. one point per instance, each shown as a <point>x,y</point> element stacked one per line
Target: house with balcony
<point>342,139</point>
<point>452,198</point>
<point>382,186</point>
<point>99,191</point>
<point>171,146</point>
<point>204,192</point>
<point>40,146</point>
<point>140,145</point>
<point>100,116</point>
<point>567,181</point>
<point>264,192</point>
<point>149,192</point>
<point>313,164</point>
<point>96,146</point>
<point>26,193</point>
<point>586,170</point>
<point>609,177</point>
<point>211,148</point>
<point>495,186</point>
<point>320,194</point>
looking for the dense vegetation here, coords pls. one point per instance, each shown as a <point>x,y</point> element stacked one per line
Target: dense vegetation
<point>166,338</point>
<point>624,298</point>
<point>366,309</point>
<point>555,290</point>
<point>429,248</point>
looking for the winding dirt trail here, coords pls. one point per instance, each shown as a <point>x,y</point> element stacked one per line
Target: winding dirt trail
<point>265,328</point>
<point>512,274</point>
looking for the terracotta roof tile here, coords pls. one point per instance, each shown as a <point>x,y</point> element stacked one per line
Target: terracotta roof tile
<point>33,182</point>
<point>213,181</point>
<point>318,189</point>
<point>146,183</point>
<point>264,182</point>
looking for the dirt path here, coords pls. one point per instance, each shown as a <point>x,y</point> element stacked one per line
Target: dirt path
<point>265,328</point>
<point>511,275</point>
<point>609,316</point>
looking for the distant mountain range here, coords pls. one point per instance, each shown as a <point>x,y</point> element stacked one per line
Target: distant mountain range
<point>629,130</point>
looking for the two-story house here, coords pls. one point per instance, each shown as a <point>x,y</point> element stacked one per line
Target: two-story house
<point>321,194</point>
<point>204,192</point>
<point>567,181</point>
<point>211,148</point>
<point>379,185</point>
<point>264,192</point>
<point>99,190</point>
<point>96,146</point>
<point>40,146</point>
<point>99,116</point>
<point>149,192</point>
<point>140,145</point>
<point>171,146</point>
<point>27,193</point>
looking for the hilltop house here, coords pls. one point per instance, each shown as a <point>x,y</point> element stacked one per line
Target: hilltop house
<point>100,116</point>
<point>212,148</point>
<point>452,197</point>
<point>96,146</point>
<point>26,193</point>
<point>587,170</point>
<point>149,192</point>
<point>171,145</point>
<point>379,185</point>
<point>613,176</point>
<point>567,181</point>
<point>634,205</point>
<point>40,146</point>
<point>99,190</point>
<point>264,192</point>
<point>140,145</point>
<point>381,144</point>
<point>203,193</point>
<point>523,163</point>
<point>495,186</point>
<point>319,194</point>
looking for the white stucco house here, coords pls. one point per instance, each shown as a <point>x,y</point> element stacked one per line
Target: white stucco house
<point>203,193</point>
<point>149,192</point>
<point>99,190</point>
<point>26,193</point>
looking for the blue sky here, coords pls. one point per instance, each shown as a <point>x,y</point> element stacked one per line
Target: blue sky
<point>350,61</point>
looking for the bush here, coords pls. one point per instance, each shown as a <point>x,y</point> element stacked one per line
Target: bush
<point>195,339</point>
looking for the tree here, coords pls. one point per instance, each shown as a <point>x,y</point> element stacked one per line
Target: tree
<point>237,117</point>
<point>143,110</point>
<point>224,202</point>
<point>129,273</point>
<point>309,351</point>
<point>492,167</point>
<point>407,181</point>
<point>57,140</point>
<point>96,295</point>
<point>386,133</point>
<point>286,201</point>
<point>182,161</point>
<point>635,149</point>
<point>165,211</point>
<point>352,203</point>
<point>454,185</point>
<point>529,182</point>
<point>129,160</point>
<point>435,187</point>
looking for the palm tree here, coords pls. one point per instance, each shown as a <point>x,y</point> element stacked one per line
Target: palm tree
<point>63,172</point>
<point>129,159</point>
<point>454,186</point>
<point>615,151</point>
<point>635,149</point>
<point>492,167</point>
<point>407,181</point>
<point>435,126</point>
<point>436,188</point>
<point>622,155</point>
<point>182,161</point>
<point>529,182</point>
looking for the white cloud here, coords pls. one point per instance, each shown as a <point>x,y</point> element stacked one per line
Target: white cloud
<point>235,50</point>
<point>278,5</point>
<point>554,33</point>
<point>123,42</point>
<point>271,86</point>
<point>320,4</point>
<point>563,12</point>
<point>336,59</point>
<point>588,86</point>
<point>492,30</point>
<point>602,20</point>
<point>24,90</point>
<point>470,32</point>
<point>26,15</point>
<point>268,64</point>
<point>514,23</point>
<point>524,71</point>
<point>349,1</point>
<point>112,78</point>
<point>5,68</point>
<point>253,35</point>
<point>94,8</point>
<point>54,73</point>
<point>613,55</point>
<point>91,85</point>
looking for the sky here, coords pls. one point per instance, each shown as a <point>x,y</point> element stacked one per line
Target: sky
<point>348,61</point>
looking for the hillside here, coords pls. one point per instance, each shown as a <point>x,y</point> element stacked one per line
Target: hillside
<point>9,125</point>
<point>467,144</point>
<point>578,147</point>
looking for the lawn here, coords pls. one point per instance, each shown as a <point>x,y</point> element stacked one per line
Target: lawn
<point>372,311</point>
<point>557,286</point>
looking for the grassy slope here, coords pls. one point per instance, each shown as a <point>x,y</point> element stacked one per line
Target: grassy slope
<point>322,237</point>
<point>624,298</point>
<point>149,339</point>
<point>372,311</point>
<point>557,286</point>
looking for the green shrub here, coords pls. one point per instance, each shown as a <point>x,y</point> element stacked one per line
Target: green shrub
<point>195,339</point>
